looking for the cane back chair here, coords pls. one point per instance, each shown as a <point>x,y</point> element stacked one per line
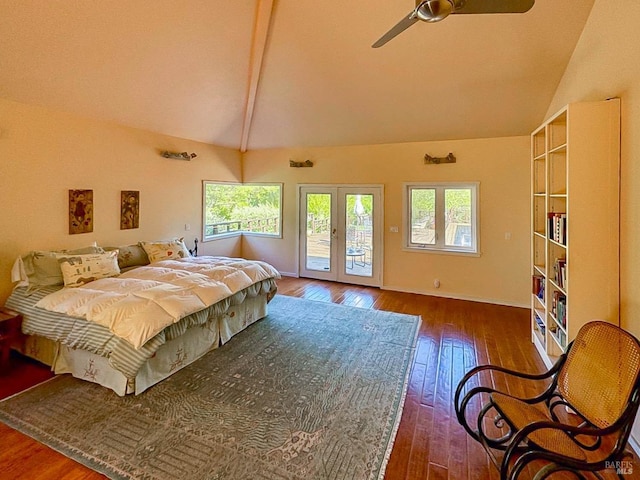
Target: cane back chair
<point>579,421</point>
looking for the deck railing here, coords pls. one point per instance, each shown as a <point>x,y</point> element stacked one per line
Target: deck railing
<point>317,225</point>
<point>261,225</point>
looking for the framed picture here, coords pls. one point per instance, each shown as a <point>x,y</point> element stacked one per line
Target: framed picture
<point>80,211</point>
<point>129,209</point>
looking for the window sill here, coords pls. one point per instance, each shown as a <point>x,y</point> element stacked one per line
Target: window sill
<point>441,251</point>
<point>222,236</point>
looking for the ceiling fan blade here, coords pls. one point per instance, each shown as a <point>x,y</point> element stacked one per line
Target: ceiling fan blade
<point>400,27</point>
<point>495,6</point>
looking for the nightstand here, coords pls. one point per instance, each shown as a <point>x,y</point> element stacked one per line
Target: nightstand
<point>10,323</point>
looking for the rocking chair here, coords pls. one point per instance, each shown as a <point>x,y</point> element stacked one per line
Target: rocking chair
<point>582,419</point>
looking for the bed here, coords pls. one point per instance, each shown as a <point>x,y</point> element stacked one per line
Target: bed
<point>131,329</point>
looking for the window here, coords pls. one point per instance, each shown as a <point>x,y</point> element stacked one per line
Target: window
<point>441,217</point>
<point>234,209</point>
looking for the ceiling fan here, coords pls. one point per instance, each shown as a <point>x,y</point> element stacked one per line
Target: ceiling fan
<point>436,10</point>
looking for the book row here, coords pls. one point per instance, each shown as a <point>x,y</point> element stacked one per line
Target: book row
<point>559,308</point>
<point>538,287</point>
<point>558,227</point>
<point>541,326</point>
<point>560,336</point>
<point>560,272</point>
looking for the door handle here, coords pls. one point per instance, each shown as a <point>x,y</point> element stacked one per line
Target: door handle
<point>334,233</point>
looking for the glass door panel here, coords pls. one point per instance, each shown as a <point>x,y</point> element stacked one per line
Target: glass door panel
<point>318,226</point>
<point>359,234</point>
<point>318,232</point>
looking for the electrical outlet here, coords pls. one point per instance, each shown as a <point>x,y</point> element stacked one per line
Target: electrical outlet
<point>187,227</point>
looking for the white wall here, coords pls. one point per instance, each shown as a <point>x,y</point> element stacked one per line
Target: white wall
<point>501,165</point>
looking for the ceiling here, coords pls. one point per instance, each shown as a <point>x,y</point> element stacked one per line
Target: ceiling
<point>254,74</point>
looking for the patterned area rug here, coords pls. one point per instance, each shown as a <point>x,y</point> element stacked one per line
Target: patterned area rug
<point>313,391</point>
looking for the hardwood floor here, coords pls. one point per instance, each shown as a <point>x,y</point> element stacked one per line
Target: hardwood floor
<point>454,336</point>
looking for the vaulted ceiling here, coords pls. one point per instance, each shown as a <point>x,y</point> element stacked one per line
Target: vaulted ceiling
<point>253,74</point>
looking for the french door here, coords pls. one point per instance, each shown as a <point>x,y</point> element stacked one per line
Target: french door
<point>341,233</point>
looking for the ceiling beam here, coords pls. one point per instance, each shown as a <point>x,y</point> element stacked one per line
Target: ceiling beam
<point>264,12</point>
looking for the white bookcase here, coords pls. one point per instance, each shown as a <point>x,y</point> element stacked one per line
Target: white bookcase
<point>575,179</point>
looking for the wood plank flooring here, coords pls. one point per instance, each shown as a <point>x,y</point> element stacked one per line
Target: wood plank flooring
<point>454,336</point>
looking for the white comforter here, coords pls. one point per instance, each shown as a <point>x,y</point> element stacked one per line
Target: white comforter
<point>140,303</point>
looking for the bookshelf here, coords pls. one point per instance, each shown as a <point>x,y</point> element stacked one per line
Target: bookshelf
<point>575,184</point>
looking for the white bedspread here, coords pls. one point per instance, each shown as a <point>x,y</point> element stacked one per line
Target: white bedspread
<point>140,303</point>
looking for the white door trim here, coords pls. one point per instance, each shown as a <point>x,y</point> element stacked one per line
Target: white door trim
<point>338,272</point>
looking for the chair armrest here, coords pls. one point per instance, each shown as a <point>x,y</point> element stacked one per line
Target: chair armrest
<point>528,376</point>
<point>481,368</point>
<point>460,403</point>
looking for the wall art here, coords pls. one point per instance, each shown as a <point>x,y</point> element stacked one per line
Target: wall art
<point>129,209</point>
<point>80,211</point>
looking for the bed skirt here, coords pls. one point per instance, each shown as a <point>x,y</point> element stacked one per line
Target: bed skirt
<point>169,358</point>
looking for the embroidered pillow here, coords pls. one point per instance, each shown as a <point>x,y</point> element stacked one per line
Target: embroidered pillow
<point>80,269</point>
<point>165,250</point>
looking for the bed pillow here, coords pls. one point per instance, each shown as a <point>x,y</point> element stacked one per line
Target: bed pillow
<point>130,256</point>
<point>165,250</point>
<point>80,269</point>
<point>42,267</point>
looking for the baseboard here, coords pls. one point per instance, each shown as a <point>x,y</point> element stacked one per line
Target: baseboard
<point>458,297</point>
<point>439,294</point>
<point>289,274</point>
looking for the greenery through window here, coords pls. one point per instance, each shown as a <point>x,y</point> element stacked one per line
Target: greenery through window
<point>442,217</point>
<point>234,208</point>
<point>319,209</point>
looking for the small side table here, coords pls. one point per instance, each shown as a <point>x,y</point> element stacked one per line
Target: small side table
<point>352,253</point>
<point>10,325</point>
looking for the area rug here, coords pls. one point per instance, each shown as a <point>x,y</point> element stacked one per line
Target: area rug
<point>312,391</point>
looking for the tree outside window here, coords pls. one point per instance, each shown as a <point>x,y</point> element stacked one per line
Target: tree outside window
<point>242,209</point>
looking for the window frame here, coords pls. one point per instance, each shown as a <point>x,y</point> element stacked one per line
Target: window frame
<point>237,233</point>
<point>439,246</point>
